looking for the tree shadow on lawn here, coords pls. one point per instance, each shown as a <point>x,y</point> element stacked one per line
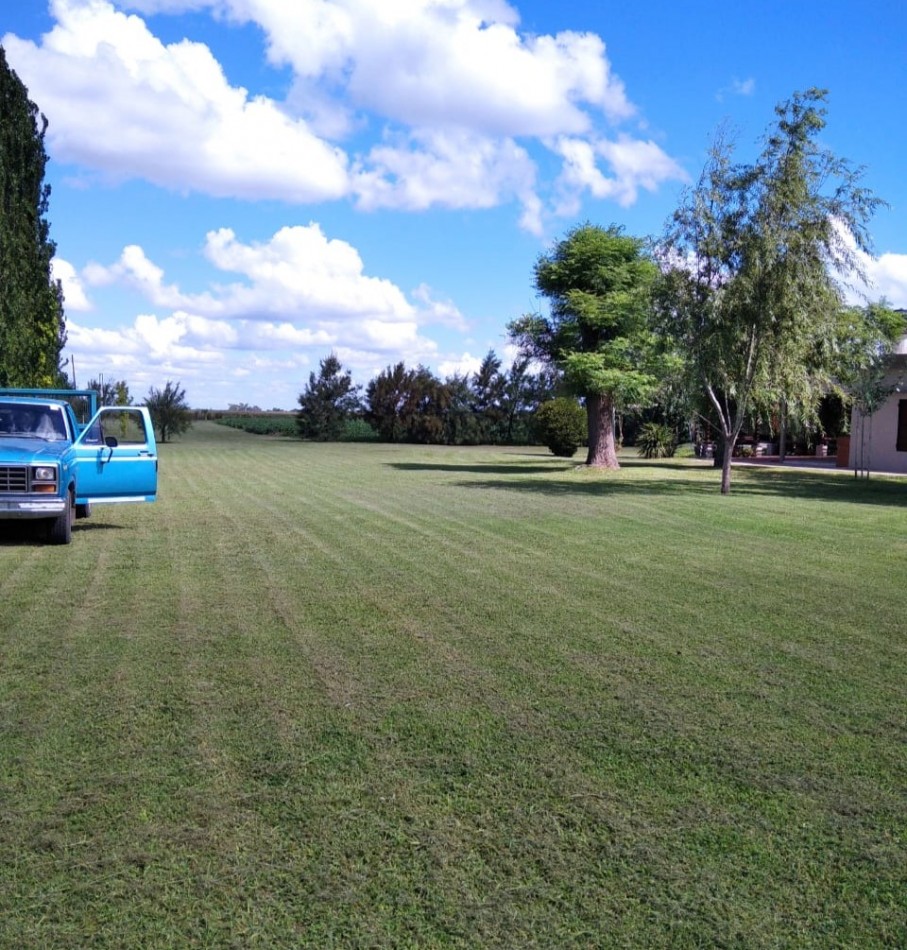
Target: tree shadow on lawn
<point>543,464</point>
<point>815,486</point>
<point>496,468</point>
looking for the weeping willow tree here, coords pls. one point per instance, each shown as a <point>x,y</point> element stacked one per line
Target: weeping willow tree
<point>755,260</point>
<point>32,328</point>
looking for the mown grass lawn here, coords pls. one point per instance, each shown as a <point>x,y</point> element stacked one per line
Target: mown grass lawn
<point>378,696</point>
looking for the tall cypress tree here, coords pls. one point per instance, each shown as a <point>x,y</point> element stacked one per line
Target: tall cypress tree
<point>32,326</point>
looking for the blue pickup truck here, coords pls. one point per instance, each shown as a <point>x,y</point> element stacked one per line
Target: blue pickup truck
<point>54,467</point>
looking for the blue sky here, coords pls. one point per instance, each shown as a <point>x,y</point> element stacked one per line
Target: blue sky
<point>240,187</point>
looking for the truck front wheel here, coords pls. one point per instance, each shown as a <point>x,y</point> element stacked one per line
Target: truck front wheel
<point>60,529</point>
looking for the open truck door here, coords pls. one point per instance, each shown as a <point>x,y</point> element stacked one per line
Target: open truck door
<point>116,457</point>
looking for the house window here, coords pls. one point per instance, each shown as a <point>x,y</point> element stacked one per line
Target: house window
<point>902,426</point>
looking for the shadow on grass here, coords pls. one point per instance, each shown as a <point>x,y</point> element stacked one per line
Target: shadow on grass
<point>93,526</point>
<point>28,533</point>
<point>814,488</point>
<point>544,464</point>
<point>495,468</point>
<point>20,534</point>
<point>701,479</point>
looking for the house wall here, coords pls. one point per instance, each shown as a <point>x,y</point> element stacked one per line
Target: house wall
<point>881,454</point>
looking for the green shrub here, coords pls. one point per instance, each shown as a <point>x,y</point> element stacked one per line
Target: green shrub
<point>357,430</point>
<point>656,441</point>
<point>560,424</point>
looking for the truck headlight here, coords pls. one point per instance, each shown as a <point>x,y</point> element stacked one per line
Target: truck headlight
<point>44,473</point>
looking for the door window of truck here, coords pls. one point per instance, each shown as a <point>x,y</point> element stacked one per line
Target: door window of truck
<point>125,425</point>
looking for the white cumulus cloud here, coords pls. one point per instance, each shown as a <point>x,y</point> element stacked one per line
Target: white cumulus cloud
<point>74,296</point>
<point>612,169</point>
<point>888,277</point>
<point>298,294</point>
<point>123,103</point>
<point>454,169</point>
<point>299,270</point>
<point>135,270</point>
<point>412,105</point>
<point>440,62</point>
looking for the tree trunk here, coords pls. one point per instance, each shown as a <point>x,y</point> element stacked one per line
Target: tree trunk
<point>726,455</point>
<point>868,465</point>
<point>600,415</point>
<point>731,424</point>
<point>782,437</point>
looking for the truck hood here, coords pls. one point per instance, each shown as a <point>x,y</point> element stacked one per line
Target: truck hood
<point>16,451</point>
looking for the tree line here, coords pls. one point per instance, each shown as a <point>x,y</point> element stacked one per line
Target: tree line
<point>492,406</point>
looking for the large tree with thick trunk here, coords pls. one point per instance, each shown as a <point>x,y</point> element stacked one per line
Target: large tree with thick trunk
<point>598,283</point>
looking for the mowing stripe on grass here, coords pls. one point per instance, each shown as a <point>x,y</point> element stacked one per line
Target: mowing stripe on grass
<point>370,695</point>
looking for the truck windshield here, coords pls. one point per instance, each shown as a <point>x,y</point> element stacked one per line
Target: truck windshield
<point>32,422</point>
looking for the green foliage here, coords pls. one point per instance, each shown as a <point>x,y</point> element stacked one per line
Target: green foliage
<point>407,405</point>
<point>490,406</point>
<point>598,283</point>
<point>111,392</point>
<point>357,430</point>
<point>493,407</point>
<point>32,327</point>
<point>865,337</point>
<point>753,258</point>
<point>524,393</point>
<point>488,386</point>
<point>262,423</point>
<point>656,441</point>
<point>560,424</point>
<point>387,399</point>
<point>169,411</point>
<point>329,400</point>
<point>284,424</point>
<point>462,424</point>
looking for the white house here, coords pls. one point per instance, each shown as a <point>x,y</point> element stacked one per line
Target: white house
<point>879,442</point>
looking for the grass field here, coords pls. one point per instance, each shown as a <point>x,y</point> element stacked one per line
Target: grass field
<point>384,696</point>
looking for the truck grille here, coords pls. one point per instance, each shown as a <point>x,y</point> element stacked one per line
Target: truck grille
<point>13,478</point>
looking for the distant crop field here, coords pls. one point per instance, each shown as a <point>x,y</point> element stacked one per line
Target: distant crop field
<point>284,424</point>
<point>398,696</point>
<point>263,423</point>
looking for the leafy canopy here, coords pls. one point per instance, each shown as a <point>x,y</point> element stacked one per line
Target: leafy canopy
<point>755,261</point>
<point>329,400</point>
<point>597,281</point>
<point>32,328</point>
<point>169,410</point>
